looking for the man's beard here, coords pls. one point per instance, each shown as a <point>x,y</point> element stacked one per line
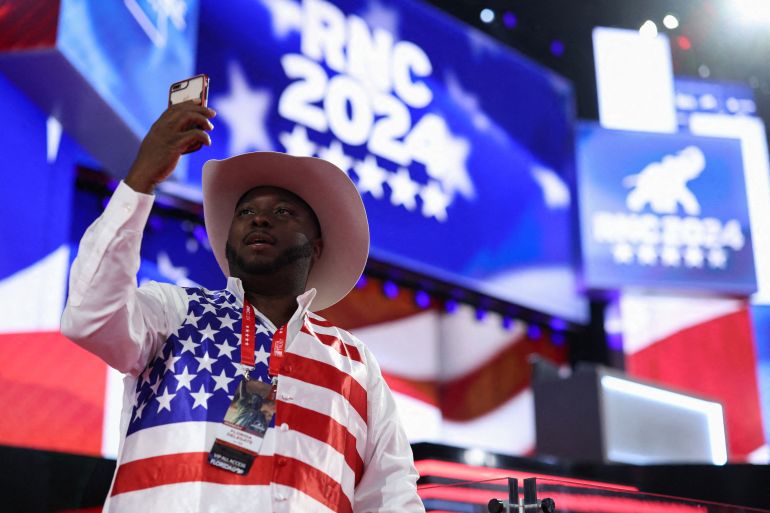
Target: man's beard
<point>288,257</point>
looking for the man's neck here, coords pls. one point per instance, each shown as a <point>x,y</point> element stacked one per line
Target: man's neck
<point>279,309</point>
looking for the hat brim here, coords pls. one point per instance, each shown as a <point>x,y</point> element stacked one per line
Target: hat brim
<point>322,185</point>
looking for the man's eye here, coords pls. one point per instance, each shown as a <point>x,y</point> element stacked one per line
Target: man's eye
<point>245,212</point>
<point>282,211</point>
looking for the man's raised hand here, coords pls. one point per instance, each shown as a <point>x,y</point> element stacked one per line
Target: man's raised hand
<point>182,128</point>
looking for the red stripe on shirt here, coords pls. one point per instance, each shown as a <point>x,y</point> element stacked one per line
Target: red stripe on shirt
<point>320,322</point>
<point>326,429</point>
<point>184,468</point>
<point>311,481</point>
<point>327,376</point>
<point>335,343</point>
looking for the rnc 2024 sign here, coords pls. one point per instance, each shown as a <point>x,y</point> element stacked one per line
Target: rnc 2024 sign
<point>461,149</point>
<point>665,211</point>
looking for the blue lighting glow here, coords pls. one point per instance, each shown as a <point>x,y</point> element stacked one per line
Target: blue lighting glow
<point>422,299</point>
<point>509,20</point>
<point>390,290</point>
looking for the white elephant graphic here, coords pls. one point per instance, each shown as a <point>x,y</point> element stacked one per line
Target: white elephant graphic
<point>663,185</point>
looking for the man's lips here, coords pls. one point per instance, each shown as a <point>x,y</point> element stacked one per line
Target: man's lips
<point>258,238</point>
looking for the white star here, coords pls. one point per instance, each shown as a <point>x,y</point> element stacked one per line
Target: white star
<point>403,189</point>
<point>286,16</point>
<point>222,381</point>
<point>240,369</point>
<point>145,376</point>
<point>164,401</point>
<point>370,176</point>
<point>245,112</point>
<point>469,103</point>
<point>208,333</point>
<point>192,318</point>
<point>647,255</point>
<point>336,155</point>
<point>194,296</point>
<point>201,398</point>
<point>188,344</point>
<point>434,201</point>
<point>717,258</point>
<point>297,143</point>
<point>184,380</point>
<point>170,362</point>
<point>622,253</point>
<point>205,362</point>
<point>154,387</point>
<point>261,356</point>
<point>670,256</point>
<point>227,322</point>
<point>693,257</point>
<point>261,328</point>
<point>177,275</point>
<point>448,166</point>
<point>208,307</point>
<point>139,411</point>
<point>225,349</point>
<point>556,194</point>
<point>379,16</point>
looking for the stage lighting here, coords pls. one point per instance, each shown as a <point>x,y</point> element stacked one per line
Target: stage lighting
<point>390,290</point>
<point>361,283</point>
<point>422,299</point>
<point>487,15</point>
<point>750,11</point>
<point>649,29</point>
<point>509,20</point>
<point>670,21</point>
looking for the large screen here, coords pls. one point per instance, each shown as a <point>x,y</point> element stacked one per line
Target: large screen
<point>461,148</point>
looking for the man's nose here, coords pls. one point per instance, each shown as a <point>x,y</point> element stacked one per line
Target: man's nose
<point>262,218</point>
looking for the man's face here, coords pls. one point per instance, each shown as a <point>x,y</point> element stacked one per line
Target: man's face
<point>272,230</point>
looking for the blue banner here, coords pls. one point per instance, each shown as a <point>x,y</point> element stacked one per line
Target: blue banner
<point>663,211</point>
<point>461,148</point>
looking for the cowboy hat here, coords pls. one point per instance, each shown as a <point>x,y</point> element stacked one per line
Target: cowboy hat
<point>322,185</point>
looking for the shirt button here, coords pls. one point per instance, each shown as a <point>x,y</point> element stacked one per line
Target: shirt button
<point>288,368</point>
<point>286,397</point>
<point>281,462</point>
<point>284,427</point>
<point>280,498</point>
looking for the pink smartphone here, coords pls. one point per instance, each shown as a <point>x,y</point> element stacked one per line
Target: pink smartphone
<point>189,89</point>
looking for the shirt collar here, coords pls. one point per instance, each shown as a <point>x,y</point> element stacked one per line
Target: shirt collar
<point>304,300</point>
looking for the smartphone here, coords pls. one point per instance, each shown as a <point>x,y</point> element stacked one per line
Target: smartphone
<point>189,89</point>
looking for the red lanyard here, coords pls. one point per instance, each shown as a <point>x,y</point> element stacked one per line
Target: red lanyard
<point>248,329</point>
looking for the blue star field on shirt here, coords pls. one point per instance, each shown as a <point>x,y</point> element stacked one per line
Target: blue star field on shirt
<point>195,373</point>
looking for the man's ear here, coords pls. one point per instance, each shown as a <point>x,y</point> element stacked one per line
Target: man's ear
<point>318,248</point>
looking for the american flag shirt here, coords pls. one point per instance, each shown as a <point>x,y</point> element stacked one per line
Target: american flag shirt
<point>336,444</point>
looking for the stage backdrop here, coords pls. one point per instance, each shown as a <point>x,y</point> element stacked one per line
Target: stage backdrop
<point>461,148</point>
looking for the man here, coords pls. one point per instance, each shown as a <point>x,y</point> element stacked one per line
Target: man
<point>292,237</point>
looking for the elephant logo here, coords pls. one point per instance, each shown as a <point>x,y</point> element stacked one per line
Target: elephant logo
<point>663,185</point>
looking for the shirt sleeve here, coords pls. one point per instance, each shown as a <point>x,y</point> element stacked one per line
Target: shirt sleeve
<point>389,482</point>
<point>106,313</point>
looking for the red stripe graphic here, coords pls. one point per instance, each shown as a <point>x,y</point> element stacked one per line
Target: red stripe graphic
<point>503,376</point>
<point>326,429</point>
<point>51,394</point>
<point>311,481</point>
<point>335,343</point>
<point>325,375</point>
<point>185,468</point>
<point>422,390</point>
<point>720,362</point>
<point>320,322</point>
